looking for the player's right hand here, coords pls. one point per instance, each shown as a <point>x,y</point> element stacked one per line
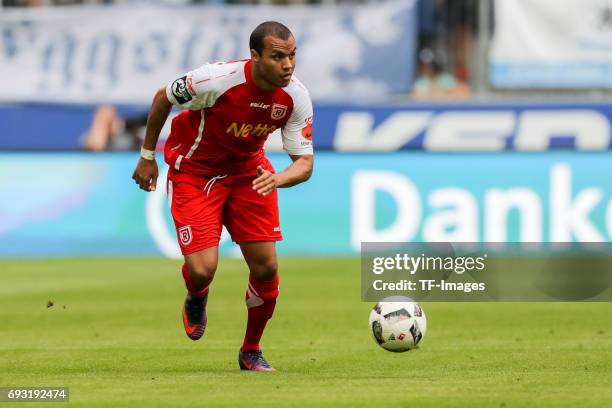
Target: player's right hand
<point>146,174</point>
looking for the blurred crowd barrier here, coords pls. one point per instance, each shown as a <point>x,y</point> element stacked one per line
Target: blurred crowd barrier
<point>522,48</point>
<point>539,44</point>
<point>44,3</point>
<point>114,51</point>
<point>123,54</point>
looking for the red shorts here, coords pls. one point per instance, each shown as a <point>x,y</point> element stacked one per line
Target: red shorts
<point>201,206</point>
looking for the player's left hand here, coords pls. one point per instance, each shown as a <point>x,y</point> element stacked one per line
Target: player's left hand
<point>266,181</point>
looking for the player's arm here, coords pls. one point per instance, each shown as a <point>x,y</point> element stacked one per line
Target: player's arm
<point>297,142</point>
<point>146,172</point>
<point>298,172</point>
<point>182,94</point>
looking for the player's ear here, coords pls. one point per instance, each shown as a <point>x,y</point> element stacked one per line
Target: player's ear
<point>254,55</point>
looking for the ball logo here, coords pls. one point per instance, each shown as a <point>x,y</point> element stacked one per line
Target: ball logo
<point>185,235</point>
<point>418,312</point>
<point>278,111</point>
<point>416,333</point>
<point>377,332</point>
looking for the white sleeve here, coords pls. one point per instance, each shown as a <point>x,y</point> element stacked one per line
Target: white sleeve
<point>297,132</point>
<point>194,90</point>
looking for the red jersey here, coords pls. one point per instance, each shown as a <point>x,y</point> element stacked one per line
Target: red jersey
<point>229,119</point>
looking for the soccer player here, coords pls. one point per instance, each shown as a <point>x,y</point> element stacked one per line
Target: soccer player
<point>219,175</point>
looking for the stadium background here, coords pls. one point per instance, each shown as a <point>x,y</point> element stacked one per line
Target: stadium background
<point>434,120</point>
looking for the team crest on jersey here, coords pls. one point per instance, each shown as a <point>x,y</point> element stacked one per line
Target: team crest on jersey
<point>278,111</point>
<point>185,235</point>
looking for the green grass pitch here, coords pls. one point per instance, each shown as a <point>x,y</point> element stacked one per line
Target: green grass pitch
<point>114,336</point>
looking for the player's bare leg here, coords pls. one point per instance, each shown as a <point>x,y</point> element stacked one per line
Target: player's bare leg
<point>261,295</point>
<point>198,272</point>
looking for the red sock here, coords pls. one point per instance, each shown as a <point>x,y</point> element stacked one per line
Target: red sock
<point>260,299</point>
<point>192,287</point>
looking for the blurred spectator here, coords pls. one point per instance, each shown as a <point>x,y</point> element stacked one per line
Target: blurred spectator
<point>433,82</point>
<point>462,18</point>
<point>428,23</point>
<point>109,131</point>
<point>23,3</point>
<point>448,26</point>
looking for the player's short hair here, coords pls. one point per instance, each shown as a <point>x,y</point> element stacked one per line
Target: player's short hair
<point>273,28</point>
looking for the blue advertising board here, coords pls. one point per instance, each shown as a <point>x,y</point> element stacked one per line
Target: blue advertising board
<point>87,204</point>
<point>464,127</point>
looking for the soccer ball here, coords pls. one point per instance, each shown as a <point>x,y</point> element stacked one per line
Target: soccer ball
<point>398,324</point>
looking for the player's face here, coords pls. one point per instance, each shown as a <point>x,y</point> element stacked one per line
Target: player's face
<point>276,63</point>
